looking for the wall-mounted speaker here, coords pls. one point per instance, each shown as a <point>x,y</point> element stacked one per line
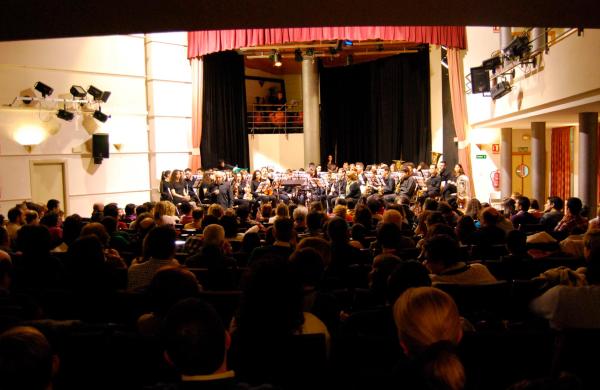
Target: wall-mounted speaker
<point>480,80</point>
<point>100,147</point>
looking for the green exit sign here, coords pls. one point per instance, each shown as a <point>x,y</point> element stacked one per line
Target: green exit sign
<point>481,156</point>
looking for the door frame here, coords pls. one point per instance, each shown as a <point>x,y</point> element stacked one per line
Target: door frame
<point>65,171</point>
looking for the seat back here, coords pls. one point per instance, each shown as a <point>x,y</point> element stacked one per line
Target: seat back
<point>479,302</point>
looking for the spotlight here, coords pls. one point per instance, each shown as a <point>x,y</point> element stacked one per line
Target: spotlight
<point>518,47</point>
<point>491,63</point>
<point>298,55</point>
<point>65,115</point>
<point>277,60</point>
<point>44,89</point>
<point>99,115</point>
<point>77,91</point>
<point>99,95</point>
<point>500,89</point>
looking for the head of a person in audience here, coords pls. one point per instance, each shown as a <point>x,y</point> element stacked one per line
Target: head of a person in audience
<point>465,227</point>
<point>53,205</point>
<point>473,208</point>
<point>337,230</point>
<point>376,205</point>
<point>32,217</point>
<point>314,221</point>
<point>430,204</point>
<point>160,243</point>
<point>195,338</point>
<point>435,217</point>
<point>381,269</point>
<point>429,327</point>
<point>308,264</point>
<point>265,210</point>
<point>364,216</point>
<point>170,285</point>
<point>97,229</point>
<point>71,228</point>
<point>516,242</point>
<point>265,313</point>
<point>510,206</point>
<point>214,236</point>
<point>359,232</point>
<point>26,360</point>
<point>34,240</point>
<point>250,242</point>
<point>523,204</point>
<point>299,216</point>
<point>111,210</point>
<point>110,224</point>
<point>320,245</point>
<point>316,206</point>
<point>388,237</point>
<point>197,214</point>
<point>230,225</point>
<point>243,213</point>
<point>441,252</point>
<point>554,203</point>
<point>405,275</point>
<point>340,211</point>
<point>393,216</point>
<point>574,206</point>
<point>591,243</point>
<point>185,208</point>
<point>283,230</point>
<point>440,228</point>
<point>16,215</point>
<point>86,263</point>
<point>490,217</point>
<point>282,211</point>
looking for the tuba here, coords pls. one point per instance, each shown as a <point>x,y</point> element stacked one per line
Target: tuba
<point>435,157</point>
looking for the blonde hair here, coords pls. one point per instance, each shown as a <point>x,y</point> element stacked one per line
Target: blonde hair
<point>340,211</point>
<point>428,322</point>
<point>213,234</point>
<point>216,210</point>
<point>282,211</point>
<point>164,207</point>
<point>352,176</point>
<point>393,216</point>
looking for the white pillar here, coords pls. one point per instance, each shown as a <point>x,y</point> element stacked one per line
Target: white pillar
<point>310,102</point>
<point>588,159</point>
<point>506,162</point>
<point>538,161</point>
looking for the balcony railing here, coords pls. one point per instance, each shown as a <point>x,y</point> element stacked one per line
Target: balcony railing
<point>275,118</point>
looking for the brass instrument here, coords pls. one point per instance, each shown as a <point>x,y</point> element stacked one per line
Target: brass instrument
<point>398,164</point>
<point>435,157</point>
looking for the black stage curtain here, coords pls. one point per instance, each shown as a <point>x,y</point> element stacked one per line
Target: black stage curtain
<point>377,111</point>
<point>224,133</point>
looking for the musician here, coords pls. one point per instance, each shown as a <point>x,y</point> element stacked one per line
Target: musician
<point>205,186</point>
<point>164,187</point>
<point>407,185</point>
<point>360,173</point>
<point>264,191</point>
<point>352,187</point>
<point>445,174</point>
<point>433,183</point>
<point>239,189</point>
<point>189,183</point>
<point>331,167</point>
<point>423,170</point>
<point>389,185</point>
<point>178,187</point>
<point>221,191</point>
<point>335,189</point>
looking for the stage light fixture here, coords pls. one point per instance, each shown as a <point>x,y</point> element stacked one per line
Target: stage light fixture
<point>298,55</point>
<point>99,95</point>
<point>44,89</point>
<point>277,60</point>
<point>348,42</point>
<point>78,91</point>
<point>491,63</point>
<point>65,115</point>
<point>100,116</point>
<point>518,47</point>
<point>500,89</point>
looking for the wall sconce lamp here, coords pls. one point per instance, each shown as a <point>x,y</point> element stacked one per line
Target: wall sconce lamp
<point>30,136</point>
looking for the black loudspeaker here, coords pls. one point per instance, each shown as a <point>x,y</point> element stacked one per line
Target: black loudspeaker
<point>99,147</point>
<point>480,80</point>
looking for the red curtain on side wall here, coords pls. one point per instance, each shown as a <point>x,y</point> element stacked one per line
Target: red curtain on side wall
<point>560,163</point>
<point>211,41</point>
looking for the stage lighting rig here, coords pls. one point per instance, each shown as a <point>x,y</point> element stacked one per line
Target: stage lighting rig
<point>500,89</point>
<point>77,91</point>
<point>518,47</point>
<point>98,94</point>
<point>65,115</point>
<point>100,116</point>
<point>44,89</point>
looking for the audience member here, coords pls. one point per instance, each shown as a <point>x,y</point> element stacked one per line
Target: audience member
<point>282,248</point>
<point>214,256</point>
<point>572,222</point>
<point>36,269</point>
<point>523,216</point>
<point>552,213</point>
<point>16,219</point>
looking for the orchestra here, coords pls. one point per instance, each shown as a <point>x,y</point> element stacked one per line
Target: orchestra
<point>399,182</point>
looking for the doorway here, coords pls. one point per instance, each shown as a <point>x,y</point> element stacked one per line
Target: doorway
<point>48,182</point>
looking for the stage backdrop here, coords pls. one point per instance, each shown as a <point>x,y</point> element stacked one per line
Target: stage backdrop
<point>224,111</point>
<point>377,111</point>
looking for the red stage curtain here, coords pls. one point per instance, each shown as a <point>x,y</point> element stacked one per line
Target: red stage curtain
<point>211,41</point>
<point>560,163</point>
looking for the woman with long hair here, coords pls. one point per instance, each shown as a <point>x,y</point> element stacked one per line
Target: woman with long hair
<point>429,329</point>
<point>463,187</point>
<point>178,188</point>
<point>164,187</point>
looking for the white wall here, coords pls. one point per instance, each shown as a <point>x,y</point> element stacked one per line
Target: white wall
<point>113,63</point>
<point>567,71</point>
<point>169,83</point>
<point>279,151</point>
